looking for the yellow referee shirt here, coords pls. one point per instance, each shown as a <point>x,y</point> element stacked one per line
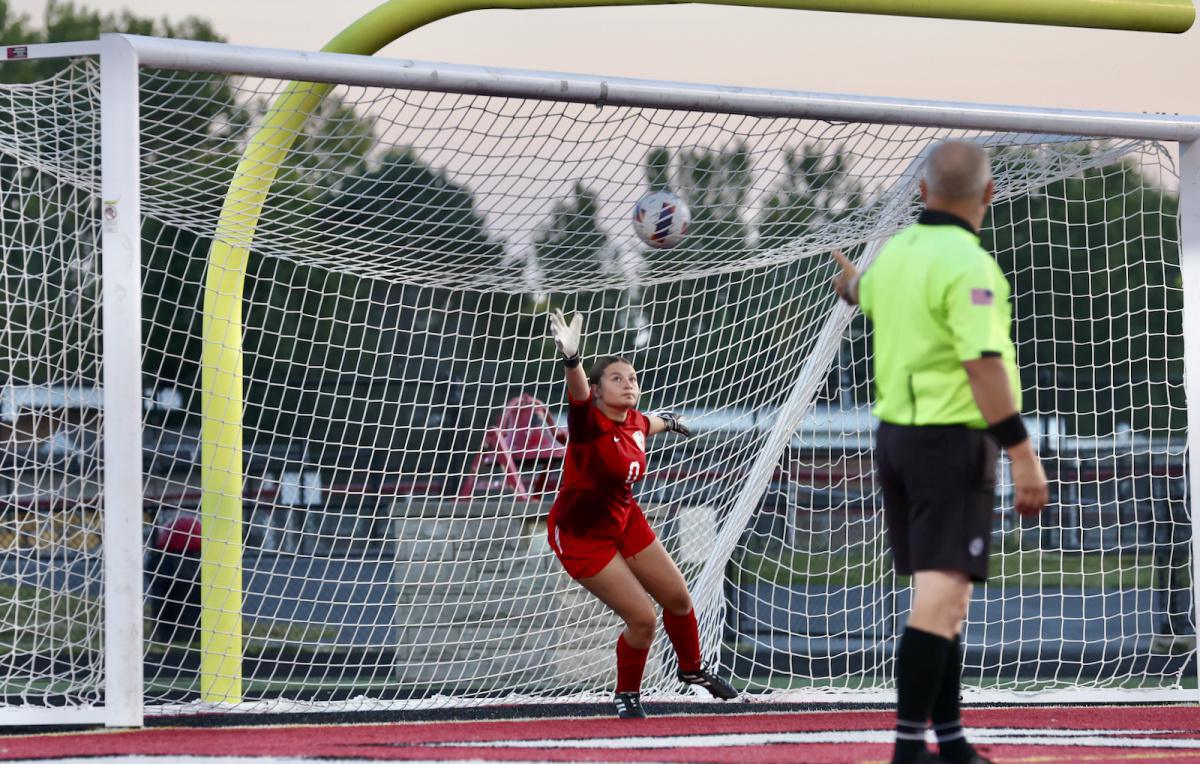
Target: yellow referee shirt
<point>935,298</point>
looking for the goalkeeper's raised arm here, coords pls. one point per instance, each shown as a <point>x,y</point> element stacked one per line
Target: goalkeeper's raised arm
<point>567,337</point>
<point>598,531</point>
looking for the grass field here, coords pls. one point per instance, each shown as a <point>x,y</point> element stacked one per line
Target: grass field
<point>849,684</point>
<point>1032,569</point>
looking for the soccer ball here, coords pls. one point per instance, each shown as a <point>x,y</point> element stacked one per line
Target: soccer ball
<point>661,219</point>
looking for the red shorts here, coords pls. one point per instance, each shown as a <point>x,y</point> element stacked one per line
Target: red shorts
<point>585,556</point>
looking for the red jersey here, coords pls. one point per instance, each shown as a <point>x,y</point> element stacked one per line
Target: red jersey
<point>604,459</point>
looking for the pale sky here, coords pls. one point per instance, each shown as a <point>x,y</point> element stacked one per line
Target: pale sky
<point>795,50</point>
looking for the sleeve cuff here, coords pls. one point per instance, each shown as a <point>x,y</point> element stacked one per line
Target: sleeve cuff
<point>975,355</point>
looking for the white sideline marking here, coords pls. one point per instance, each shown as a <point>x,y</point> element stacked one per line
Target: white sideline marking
<point>993,735</point>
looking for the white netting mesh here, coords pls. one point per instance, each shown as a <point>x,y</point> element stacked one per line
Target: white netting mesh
<point>51,566</point>
<point>396,355</point>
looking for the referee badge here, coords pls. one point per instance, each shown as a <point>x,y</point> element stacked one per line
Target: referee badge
<point>975,547</point>
<point>640,439</point>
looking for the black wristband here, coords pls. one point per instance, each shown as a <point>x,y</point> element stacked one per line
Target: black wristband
<point>1009,432</point>
<point>571,362</point>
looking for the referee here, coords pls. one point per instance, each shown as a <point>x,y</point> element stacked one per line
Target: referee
<point>947,393</point>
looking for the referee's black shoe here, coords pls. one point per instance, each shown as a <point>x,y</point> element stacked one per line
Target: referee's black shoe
<point>629,705</point>
<point>718,687</point>
<point>976,758</point>
<point>923,756</point>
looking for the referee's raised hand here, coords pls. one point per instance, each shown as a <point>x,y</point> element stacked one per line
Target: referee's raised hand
<point>845,283</point>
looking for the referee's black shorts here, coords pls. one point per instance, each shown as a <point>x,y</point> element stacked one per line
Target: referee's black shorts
<point>939,485</point>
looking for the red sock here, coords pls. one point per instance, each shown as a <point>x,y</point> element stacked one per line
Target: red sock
<point>631,664</point>
<point>685,636</point>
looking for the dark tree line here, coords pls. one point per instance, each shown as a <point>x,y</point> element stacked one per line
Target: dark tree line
<point>391,366</point>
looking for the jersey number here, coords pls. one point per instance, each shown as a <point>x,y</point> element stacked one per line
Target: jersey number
<point>635,469</point>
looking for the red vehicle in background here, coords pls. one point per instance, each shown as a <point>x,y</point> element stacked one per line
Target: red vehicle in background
<point>522,453</point>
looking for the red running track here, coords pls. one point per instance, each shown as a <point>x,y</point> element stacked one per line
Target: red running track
<point>1098,735</point>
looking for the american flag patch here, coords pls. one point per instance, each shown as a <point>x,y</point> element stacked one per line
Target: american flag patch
<point>982,297</point>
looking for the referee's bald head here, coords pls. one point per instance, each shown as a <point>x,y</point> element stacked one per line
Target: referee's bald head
<point>958,171</point>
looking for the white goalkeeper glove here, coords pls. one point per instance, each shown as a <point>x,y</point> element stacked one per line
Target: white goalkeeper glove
<point>567,336</point>
<point>673,422</point>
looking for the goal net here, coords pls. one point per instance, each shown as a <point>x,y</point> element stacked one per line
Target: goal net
<point>403,430</point>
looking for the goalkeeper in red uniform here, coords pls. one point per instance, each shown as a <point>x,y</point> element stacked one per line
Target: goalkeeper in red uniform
<point>598,531</point>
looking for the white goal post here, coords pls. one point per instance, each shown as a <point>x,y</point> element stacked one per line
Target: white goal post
<point>312,472</point>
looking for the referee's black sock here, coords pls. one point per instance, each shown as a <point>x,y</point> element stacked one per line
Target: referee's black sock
<point>920,663</point>
<point>947,723</point>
